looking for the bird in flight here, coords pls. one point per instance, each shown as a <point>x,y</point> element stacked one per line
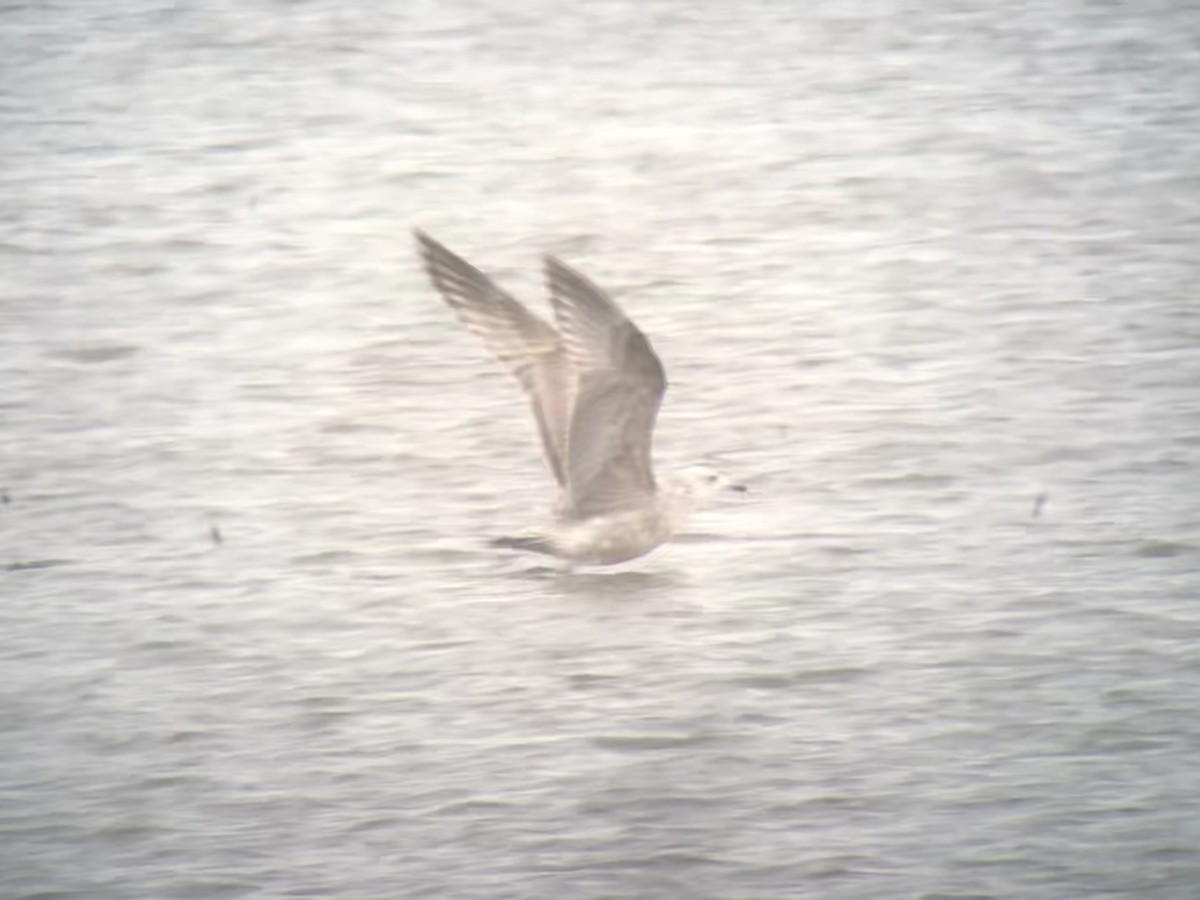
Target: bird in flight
<point>594,385</point>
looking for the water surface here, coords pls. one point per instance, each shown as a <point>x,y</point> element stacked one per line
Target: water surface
<point>922,276</point>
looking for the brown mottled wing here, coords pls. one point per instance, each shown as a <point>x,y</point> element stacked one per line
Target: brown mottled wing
<point>523,341</point>
<point>619,386</point>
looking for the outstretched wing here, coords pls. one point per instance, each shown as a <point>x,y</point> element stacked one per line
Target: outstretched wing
<point>619,386</point>
<point>523,341</point>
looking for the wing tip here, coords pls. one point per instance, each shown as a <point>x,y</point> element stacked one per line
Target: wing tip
<point>557,271</point>
<point>426,244</point>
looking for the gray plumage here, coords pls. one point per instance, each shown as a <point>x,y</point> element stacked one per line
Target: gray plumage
<point>594,385</point>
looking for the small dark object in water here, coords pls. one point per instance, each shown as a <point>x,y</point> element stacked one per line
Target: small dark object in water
<point>215,534</point>
<point>1038,503</point>
<point>34,564</point>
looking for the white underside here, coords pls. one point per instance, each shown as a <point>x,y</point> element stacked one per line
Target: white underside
<point>621,536</point>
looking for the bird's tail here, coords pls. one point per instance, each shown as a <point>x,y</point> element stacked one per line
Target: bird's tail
<point>531,543</point>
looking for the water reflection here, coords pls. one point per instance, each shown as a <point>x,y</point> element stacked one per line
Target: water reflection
<point>631,586</point>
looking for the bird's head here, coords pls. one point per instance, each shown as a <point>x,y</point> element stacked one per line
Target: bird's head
<point>699,483</point>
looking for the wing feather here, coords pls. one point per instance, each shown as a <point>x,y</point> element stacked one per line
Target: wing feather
<point>524,342</point>
<point>620,383</point>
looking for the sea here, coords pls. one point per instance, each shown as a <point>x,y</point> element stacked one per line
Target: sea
<point>923,276</point>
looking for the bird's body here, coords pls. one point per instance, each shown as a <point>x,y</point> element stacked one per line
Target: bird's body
<point>600,540</point>
<point>594,385</point>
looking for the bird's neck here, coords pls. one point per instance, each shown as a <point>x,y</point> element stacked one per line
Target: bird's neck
<point>680,501</point>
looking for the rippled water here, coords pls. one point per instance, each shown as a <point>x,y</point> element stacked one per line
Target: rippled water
<point>923,275</point>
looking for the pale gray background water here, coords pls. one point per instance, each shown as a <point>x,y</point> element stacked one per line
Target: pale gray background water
<point>909,265</point>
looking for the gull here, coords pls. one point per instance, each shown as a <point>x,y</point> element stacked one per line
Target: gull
<point>594,385</point>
